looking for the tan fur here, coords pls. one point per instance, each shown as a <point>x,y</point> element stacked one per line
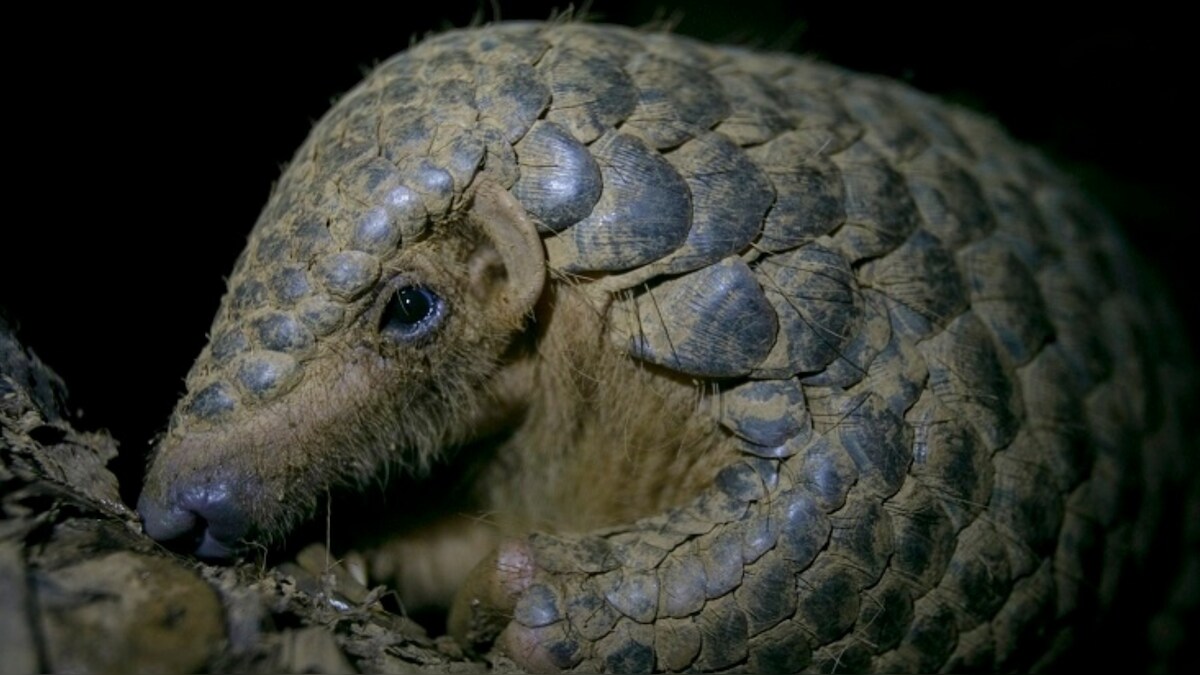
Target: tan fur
<point>603,440</point>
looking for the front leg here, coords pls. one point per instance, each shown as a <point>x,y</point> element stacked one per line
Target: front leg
<point>704,587</point>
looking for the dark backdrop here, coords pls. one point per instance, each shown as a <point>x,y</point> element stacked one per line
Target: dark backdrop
<point>165,132</point>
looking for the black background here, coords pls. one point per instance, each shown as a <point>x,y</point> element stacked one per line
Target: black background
<point>141,146</point>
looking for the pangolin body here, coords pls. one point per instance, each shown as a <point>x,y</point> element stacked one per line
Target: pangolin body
<point>926,391</point>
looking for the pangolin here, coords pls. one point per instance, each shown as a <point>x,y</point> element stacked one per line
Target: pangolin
<point>744,361</point>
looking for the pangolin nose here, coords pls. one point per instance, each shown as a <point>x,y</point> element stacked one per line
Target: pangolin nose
<point>203,520</point>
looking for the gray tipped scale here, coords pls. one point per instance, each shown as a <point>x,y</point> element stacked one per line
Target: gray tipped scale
<point>896,308</point>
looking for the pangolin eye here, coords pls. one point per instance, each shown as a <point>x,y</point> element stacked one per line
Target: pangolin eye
<point>412,312</point>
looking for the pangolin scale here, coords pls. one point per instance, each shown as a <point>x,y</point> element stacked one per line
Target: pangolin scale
<point>932,392</point>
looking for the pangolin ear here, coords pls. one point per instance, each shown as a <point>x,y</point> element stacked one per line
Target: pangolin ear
<point>509,274</point>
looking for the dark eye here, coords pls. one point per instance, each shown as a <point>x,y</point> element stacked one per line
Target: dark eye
<point>412,312</point>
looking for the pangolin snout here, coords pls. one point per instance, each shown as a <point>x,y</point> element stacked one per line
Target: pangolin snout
<point>216,486</point>
<point>204,515</point>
